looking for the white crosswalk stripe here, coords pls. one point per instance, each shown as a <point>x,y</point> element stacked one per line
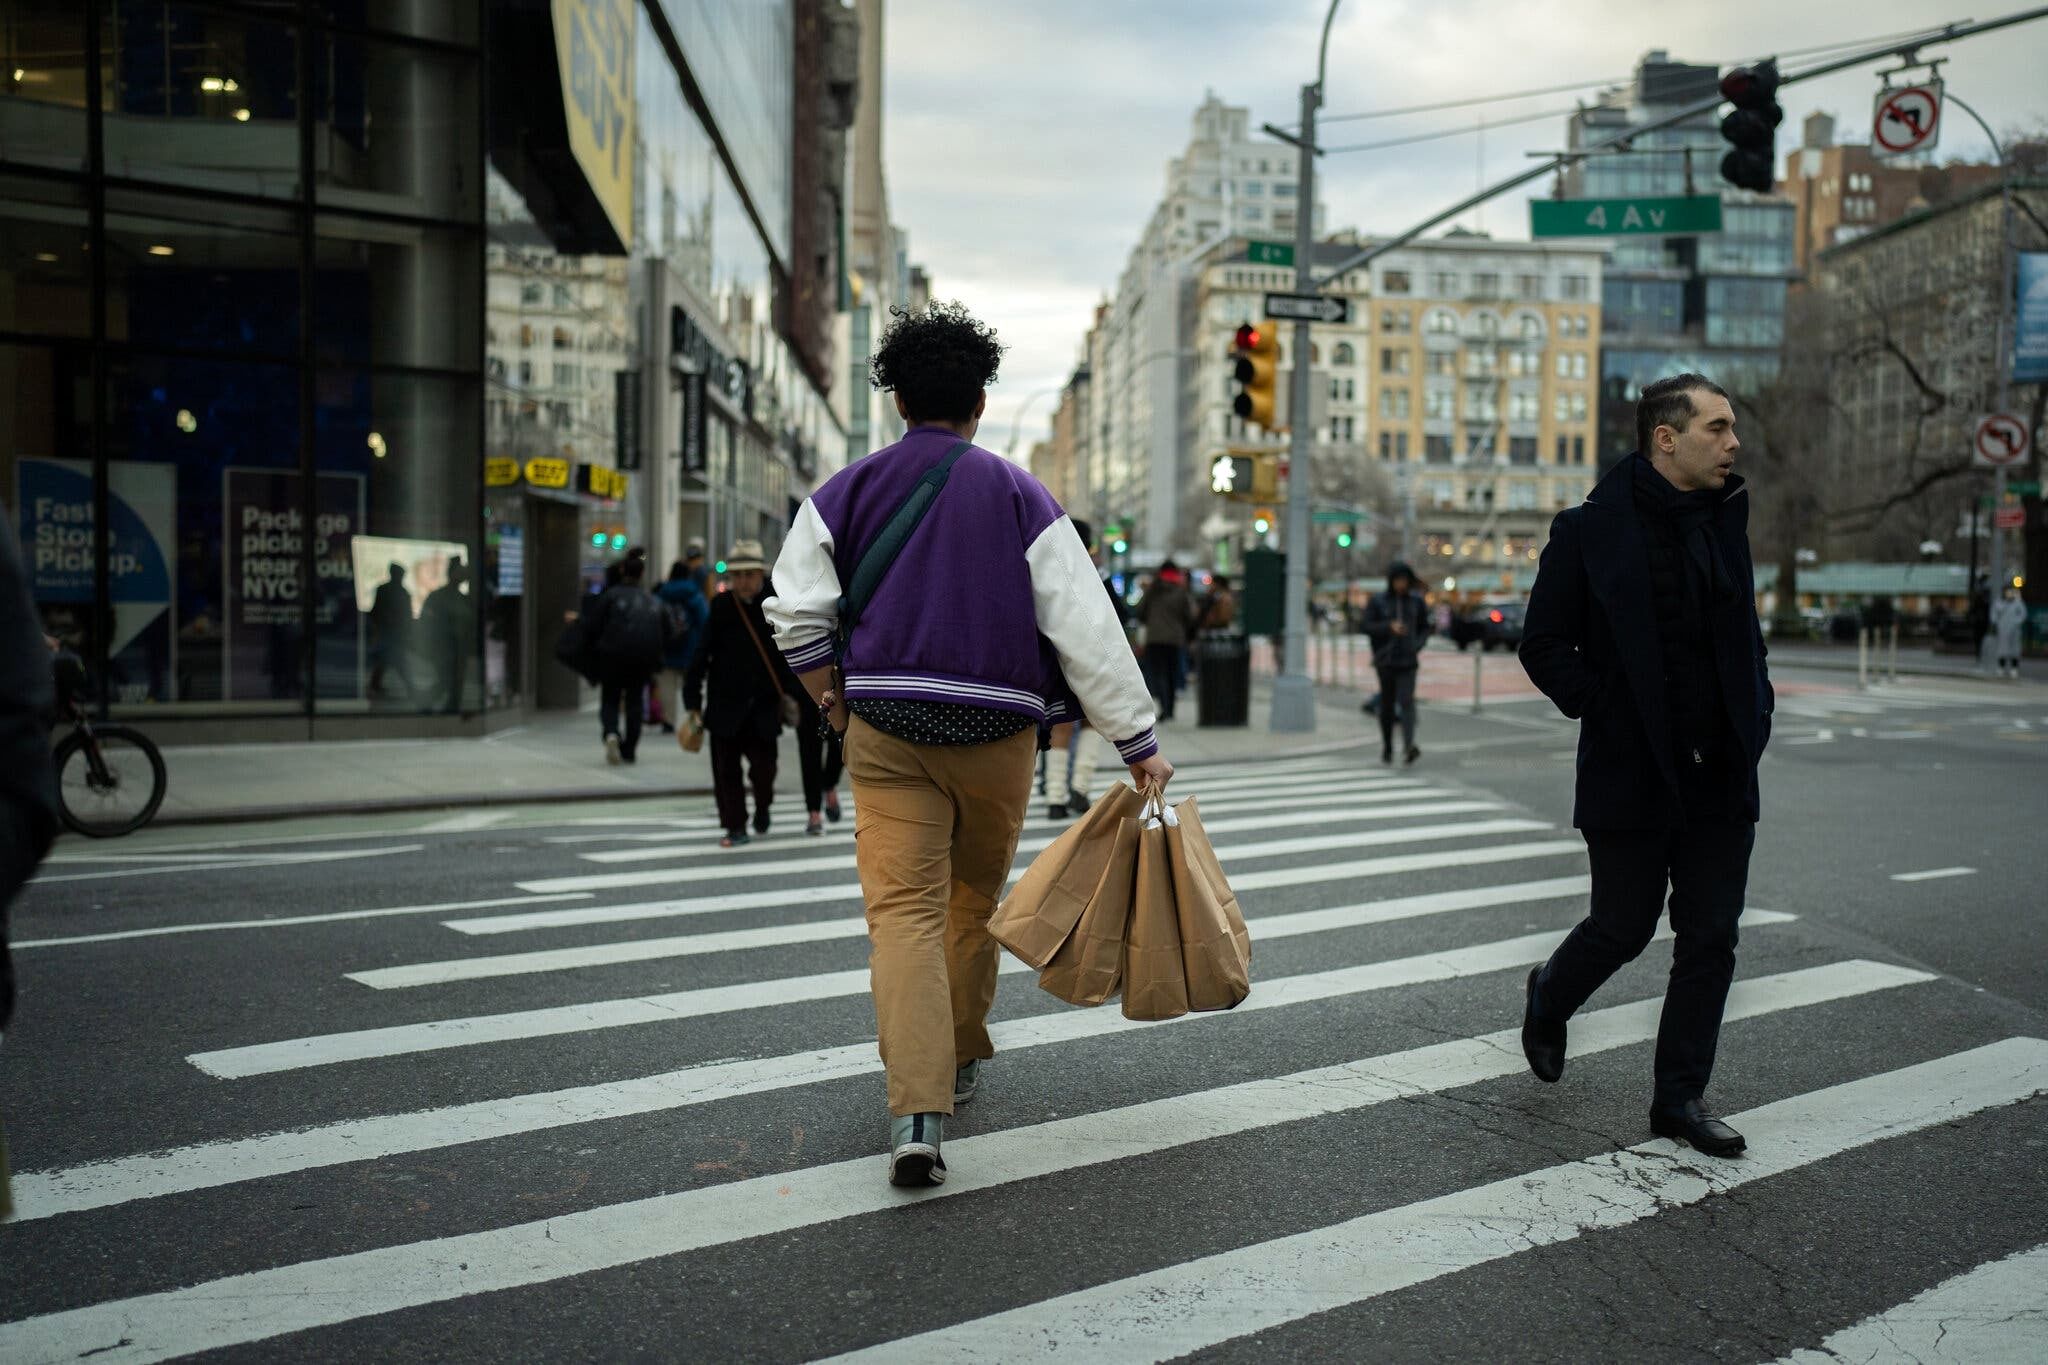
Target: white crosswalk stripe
<point>1393,919</point>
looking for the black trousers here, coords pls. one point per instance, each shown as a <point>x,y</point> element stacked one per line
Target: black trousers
<point>630,695</point>
<point>729,784</point>
<point>1706,868</point>
<point>820,760</point>
<point>1162,666</point>
<point>1397,699</point>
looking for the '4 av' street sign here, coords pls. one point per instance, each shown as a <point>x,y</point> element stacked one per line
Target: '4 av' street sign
<point>1269,253</point>
<point>1624,217</point>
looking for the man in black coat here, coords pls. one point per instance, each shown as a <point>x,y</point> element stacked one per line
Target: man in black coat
<point>1397,622</point>
<point>747,684</point>
<point>1642,626</point>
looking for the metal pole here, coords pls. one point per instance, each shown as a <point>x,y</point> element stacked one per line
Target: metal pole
<point>1478,675</point>
<point>1294,698</point>
<point>2007,262</point>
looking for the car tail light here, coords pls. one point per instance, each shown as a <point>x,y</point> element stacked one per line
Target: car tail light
<point>1494,617</point>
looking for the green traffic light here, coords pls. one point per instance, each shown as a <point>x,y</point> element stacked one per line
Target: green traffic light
<point>597,540</point>
<point>719,567</point>
<point>1343,540</point>
<point>1122,546</point>
<point>619,541</point>
<point>1262,526</point>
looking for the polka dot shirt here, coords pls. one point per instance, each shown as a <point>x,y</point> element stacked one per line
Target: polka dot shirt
<point>939,722</point>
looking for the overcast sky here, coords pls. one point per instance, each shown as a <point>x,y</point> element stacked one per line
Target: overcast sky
<point>1027,140</point>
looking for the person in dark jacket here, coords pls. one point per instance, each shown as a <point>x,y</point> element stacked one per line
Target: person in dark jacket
<point>1642,626</point>
<point>628,629</point>
<point>747,681</point>
<point>1167,612</point>
<point>448,621</point>
<point>391,632</point>
<point>1397,622</point>
<point>687,607</point>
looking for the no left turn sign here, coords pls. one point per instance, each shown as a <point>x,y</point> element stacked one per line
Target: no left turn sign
<point>1907,120</point>
<point>2001,440</point>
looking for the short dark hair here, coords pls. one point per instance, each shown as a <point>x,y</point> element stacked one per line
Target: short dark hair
<point>1085,531</point>
<point>1220,580</point>
<point>937,360</point>
<point>633,568</point>
<point>1668,403</point>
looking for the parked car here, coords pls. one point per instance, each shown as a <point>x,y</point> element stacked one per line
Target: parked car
<point>1492,625</point>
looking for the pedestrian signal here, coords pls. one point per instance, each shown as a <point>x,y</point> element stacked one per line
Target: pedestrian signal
<point>1344,540</point>
<point>1752,129</point>
<point>1258,375</point>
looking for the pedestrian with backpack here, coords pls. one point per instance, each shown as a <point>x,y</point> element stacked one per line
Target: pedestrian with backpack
<point>1398,623</point>
<point>938,606</point>
<point>688,609</point>
<point>628,629</point>
<point>741,692</point>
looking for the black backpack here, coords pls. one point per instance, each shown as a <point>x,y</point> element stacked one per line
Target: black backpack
<point>635,630</point>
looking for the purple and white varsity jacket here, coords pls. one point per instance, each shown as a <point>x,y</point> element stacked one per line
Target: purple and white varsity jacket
<point>993,602</point>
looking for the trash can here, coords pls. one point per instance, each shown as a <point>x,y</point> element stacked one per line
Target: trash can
<point>1223,688</point>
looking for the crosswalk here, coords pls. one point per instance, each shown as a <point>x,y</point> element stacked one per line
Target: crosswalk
<point>626,1061</point>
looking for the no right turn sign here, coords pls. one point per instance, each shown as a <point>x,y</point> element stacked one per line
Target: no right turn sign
<point>2001,440</point>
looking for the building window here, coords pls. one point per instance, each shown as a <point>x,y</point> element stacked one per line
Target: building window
<point>1578,452</point>
<point>1529,286</point>
<point>1530,327</point>
<point>1436,449</point>
<point>1253,188</point>
<point>1577,287</point>
<point>1283,189</point>
<point>1443,363</point>
<point>1482,403</point>
<point>1443,284</point>
<point>1569,407</point>
<point>1400,445</point>
<point>1486,285</point>
<point>1524,407</point>
<point>1395,282</point>
<point>1521,450</point>
<point>1386,445</point>
<point>1394,361</point>
<point>1252,213</point>
<point>1345,354</point>
<point>1443,322</point>
<point>530,294</point>
<point>1440,405</point>
<point>1522,495</point>
<point>1563,450</point>
<point>1396,404</point>
<point>1396,321</point>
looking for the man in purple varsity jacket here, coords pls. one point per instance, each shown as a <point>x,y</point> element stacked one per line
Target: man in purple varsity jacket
<point>990,621</point>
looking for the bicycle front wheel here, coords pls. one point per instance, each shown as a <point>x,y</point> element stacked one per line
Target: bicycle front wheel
<point>110,782</point>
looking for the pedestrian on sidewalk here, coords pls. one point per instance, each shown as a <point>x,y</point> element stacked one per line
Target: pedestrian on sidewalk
<point>1398,624</point>
<point>391,633</point>
<point>736,686</point>
<point>1642,626</point>
<point>1167,613</point>
<point>687,610</point>
<point>448,621</point>
<point>820,759</point>
<point>628,629</point>
<point>28,782</point>
<point>987,619</point>
<point>2008,620</point>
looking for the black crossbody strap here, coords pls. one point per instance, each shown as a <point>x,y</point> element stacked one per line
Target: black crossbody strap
<point>896,532</point>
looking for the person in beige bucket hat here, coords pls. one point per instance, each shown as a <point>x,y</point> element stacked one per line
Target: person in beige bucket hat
<point>747,683</point>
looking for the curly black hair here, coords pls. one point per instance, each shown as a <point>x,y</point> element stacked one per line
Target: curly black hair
<point>937,361</point>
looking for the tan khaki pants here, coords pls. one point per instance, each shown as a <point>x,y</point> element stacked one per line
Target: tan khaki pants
<point>935,830</point>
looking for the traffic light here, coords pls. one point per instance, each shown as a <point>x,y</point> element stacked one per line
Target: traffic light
<point>1344,539</point>
<point>1115,537</point>
<point>1262,520</point>
<point>1233,476</point>
<point>1752,129</point>
<point>1258,375</point>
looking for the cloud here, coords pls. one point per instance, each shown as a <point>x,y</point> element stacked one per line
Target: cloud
<point>1027,140</point>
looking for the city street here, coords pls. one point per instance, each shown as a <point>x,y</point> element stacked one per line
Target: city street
<point>571,1083</point>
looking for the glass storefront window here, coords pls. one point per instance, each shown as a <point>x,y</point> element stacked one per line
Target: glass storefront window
<point>397,294</point>
<point>46,478</point>
<point>201,98</point>
<point>45,280</point>
<point>199,275</point>
<point>399,501</point>
<point>446,21</point>
<point>203,472</point>
<point>397,129</point>
<point>43,83</point>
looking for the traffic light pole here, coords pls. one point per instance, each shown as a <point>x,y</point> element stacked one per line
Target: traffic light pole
<point>1294,693</point>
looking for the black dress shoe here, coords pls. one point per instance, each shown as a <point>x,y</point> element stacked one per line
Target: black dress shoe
<point>1542,1043</point>
<point>1694,1126</point>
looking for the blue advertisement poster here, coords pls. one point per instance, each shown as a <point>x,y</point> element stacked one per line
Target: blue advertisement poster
<point>2030,320</point>
<point>54,507</point>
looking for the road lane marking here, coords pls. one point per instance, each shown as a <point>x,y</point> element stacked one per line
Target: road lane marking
<point>263,1304</point>
<point>282,921</point>
<point>1199,1303</point>
<point>253,860</point>
<point>813,896</point>
<point>467,821</point>
<point>1817,737</point>
<point>402,1039</point>
<point>1325,814</point>
<point>1933,873</point>
<point>1995,1312</point>
<point>1322,843</point>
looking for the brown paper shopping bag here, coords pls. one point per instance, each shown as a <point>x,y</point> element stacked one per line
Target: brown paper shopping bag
<point>1089,966</point>
<point>1155,976</point>
<point>1042,910</point>
<point>1216,948</point>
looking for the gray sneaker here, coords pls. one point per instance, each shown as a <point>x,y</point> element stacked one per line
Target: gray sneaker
<point>966,1081</point>
<point>914,1158</point>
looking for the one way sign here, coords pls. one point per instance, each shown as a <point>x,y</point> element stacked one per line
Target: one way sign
<point>1307,308</point>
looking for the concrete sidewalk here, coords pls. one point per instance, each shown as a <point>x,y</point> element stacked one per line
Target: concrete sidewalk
<point>558,758</point>
<point>1917,660</point>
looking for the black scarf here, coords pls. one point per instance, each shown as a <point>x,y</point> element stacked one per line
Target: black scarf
<point>1692,514</point>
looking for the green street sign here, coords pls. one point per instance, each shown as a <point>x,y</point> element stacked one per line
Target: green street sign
<point>2029,488</point>
<point>1336,516</point>
<point>1269,253</point>
<point>1624,217</point>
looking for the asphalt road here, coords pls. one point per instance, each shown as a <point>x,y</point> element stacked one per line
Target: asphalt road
<point>570,1084</point>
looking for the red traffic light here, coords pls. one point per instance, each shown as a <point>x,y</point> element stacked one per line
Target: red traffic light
<point>1494,617</point>
<point>1748,87</point>
<point>1247,337</point>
